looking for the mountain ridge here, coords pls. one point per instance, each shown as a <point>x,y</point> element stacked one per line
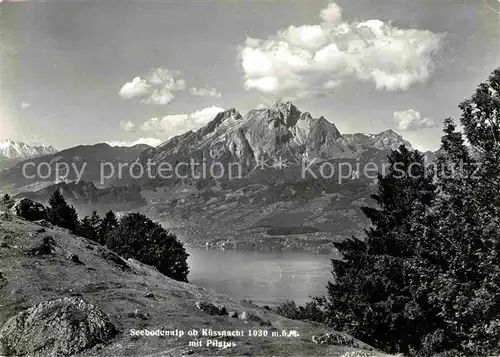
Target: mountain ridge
<point>12,152</point>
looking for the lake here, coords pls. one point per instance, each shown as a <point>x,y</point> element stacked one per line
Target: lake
<point>265,278</point>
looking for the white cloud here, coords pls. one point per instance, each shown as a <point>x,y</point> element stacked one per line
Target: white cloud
<point>25,105</point>
<point>205,92</point>
<point>158,87</point>
<point>148,141</point>
<point>312,59</point>
<point>332,12</point>
<point>410,119</point>
<point>127,126</point>
<point>176,124</point>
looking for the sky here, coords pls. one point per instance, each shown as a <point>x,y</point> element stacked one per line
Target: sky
<point>141,72</point>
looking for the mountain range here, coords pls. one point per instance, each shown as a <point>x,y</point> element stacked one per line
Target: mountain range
<point>270,205</point>
<point>281,132</point>
<point>84,159</point>
<point>12,152</point>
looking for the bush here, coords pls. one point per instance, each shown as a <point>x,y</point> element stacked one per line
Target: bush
<point>312,310</point>
<point>30,210</point>
<point>140,238</point>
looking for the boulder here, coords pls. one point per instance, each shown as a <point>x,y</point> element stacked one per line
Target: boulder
<point>74,258</point>
<point>60,327</point>
<point>246,316</point>
<point>336,338</point>
<point>44,223</point>
<point>42,246</point>
<point>211,309</point>
<point>233,314</point>
<point>113,258</point>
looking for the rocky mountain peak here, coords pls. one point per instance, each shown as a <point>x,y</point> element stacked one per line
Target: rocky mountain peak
<point>219,119</point>
<point>289,114</point>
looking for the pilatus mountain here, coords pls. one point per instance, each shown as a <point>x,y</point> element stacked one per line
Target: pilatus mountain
<point>272,203</point>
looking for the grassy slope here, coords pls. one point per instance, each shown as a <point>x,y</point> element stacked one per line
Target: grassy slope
<point>30,280</point>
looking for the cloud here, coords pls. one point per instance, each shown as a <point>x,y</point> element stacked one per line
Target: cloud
<point>331,13</point>
<point>176,124</point>
<point>205,92</point>
<point>25,105</point>
<point>158,87</point>
<point>127,126</point>
<point>313,59</point>
<point>148,141</point>
<point>409,120</point>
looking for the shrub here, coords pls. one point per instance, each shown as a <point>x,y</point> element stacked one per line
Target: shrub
<point>30,210</point>
<point>136,236</point>
<point>312,310</point>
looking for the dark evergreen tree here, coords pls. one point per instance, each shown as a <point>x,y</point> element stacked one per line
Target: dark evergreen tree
<point>460,255</point>
<point>61,214</point>
<point>140,238</point>
<point>370,296</point>
<point>90,227</point>
<point>6,198</point>
<point>108,223</point>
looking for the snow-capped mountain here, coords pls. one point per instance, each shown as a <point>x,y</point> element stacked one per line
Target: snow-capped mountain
<point>12,152</point>
<point>15,150</point>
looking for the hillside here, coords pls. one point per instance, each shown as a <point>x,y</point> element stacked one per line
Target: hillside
<point>129,295</point>
<point>86,197</point>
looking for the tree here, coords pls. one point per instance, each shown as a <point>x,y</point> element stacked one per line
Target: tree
<point>6,198</point>
<point>461,259</point>
<point>426,279</point>
<point>371,297</point>
<point>136,236</point>
<point>108,223</point>
<point>61,214</point>
<point>89,227</point>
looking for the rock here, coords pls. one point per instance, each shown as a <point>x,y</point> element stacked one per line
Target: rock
<point>74,258</point>
<point>43,246</point>
<point>335,338</point>
<point>211,309</point>
<point>41,230</point>
<point>246,316</point>
<point>6,215</point>
<point>150,296</point>
<point>233,314</point>
<point>58,327</point>
<point>3,281</point>
<point>44,223</point>
<point>113,258</point>
<point>137,314</point>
